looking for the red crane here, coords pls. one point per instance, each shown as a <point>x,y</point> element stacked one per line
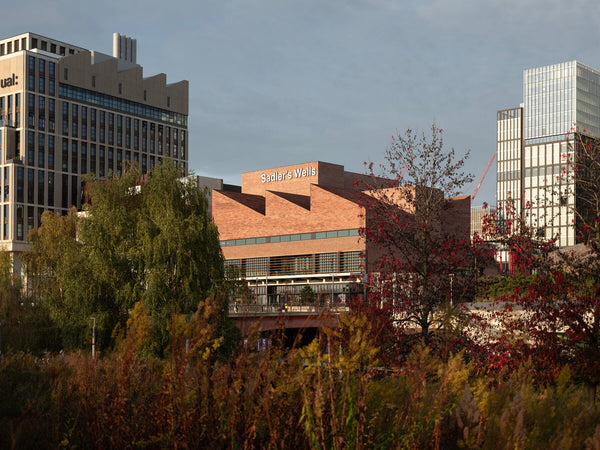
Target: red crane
<point>483,176</point>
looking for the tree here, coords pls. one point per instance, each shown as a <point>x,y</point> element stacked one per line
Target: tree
<point>148,238</point>
<point>564,302</point>
<point>558,319</point>
<point>24,324</point>
<point>307,295</point>
<point>422,264</point>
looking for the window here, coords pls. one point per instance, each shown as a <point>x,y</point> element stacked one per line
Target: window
<point>41,155</point>
<point>50,188</point>
<point>92,158</point>
<point>74,191</point>
<point>30,147</point>
<point>31,63</point>
<point>51,152</point>
<point>52,69</point>
<point>120,104</point>
<point>74,157</point>
<point>65,155</point>
<point>40,198</point>
<point>93,81</point>
<point>65,191</point>
<point>66,73</point>
<point>120,88</point>
<point>30,185</point>
<point>20,180</point>
<point>20,220</point>
<point>83,157</point>
<point>6,220</point>
<point>41,66</point>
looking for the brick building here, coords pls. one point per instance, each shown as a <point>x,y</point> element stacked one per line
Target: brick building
<point>300,225</point>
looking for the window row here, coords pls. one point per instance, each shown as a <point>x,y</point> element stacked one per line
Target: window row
<point>81,157</point>
<point>119,104</point>
<point>309,264</point>
<point>291,237</point>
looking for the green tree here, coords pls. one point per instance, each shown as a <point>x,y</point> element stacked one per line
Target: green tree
<point>141,238</point>
<point>24,324</point>
<point>307,295</point>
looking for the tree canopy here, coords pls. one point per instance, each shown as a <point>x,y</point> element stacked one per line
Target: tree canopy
<point>140,238</point>
<point>422,264</point>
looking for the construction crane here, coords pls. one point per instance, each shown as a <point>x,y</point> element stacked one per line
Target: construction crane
<point>483,176</point>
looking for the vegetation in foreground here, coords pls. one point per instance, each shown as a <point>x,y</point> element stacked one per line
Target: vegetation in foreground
<point>167,376</point>
<point>303,398</point>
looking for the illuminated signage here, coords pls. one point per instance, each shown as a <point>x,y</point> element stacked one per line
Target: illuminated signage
<point>288,174</point>
<point>8,82</point>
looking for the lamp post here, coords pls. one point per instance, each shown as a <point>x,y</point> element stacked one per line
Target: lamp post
<point>451,293</point>
<point>93,338</point>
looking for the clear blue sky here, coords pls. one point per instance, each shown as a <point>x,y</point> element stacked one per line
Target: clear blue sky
<point>276,82</point>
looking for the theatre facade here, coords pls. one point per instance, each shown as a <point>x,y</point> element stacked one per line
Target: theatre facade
<point>299,225</point>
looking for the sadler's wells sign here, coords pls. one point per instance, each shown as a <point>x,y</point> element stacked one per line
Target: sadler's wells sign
<point>288,174</point>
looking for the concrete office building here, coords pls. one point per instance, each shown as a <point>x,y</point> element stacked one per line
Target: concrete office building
<point>297,225</point>
<point>478,214</point>
<point>65,112</point>
<point>534,146</point>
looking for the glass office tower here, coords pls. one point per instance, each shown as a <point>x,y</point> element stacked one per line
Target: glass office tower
<point>558,100</point>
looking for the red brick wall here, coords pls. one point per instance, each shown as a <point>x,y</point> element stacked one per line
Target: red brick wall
<point>327,212</point>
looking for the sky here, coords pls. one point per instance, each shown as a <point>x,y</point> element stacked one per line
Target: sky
<point>278,82</point>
